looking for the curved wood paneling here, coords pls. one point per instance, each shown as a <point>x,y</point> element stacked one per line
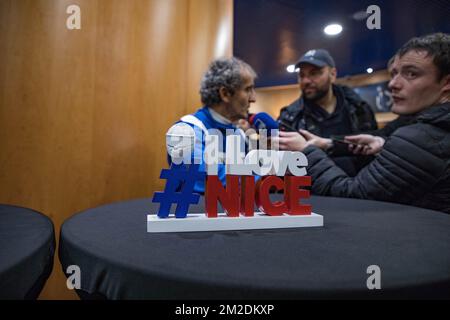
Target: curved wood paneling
<point>83,112</point>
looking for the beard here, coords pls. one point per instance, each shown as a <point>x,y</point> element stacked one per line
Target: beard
<point>320,92</point>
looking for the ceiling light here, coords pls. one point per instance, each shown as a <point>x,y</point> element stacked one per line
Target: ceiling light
<point>369,70</point>
<point>333,29</point>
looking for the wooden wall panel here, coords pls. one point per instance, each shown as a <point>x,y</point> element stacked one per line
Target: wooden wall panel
<point>272,99</point>
<point>83,112</point>
<point>210,35</point>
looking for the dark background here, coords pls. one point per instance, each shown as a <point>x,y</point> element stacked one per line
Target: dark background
<point>272,34</point>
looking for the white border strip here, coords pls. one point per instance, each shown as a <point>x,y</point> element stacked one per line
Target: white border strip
<point>199,222</point>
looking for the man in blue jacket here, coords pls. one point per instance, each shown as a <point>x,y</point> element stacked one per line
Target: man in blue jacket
<point>227,90</point>
<point>413,166</point>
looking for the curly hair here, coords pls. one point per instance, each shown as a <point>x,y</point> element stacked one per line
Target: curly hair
<point>225,73</point>
<point>437,45</point>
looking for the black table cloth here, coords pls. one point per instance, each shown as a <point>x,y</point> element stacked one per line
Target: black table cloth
<point>120,260</point>
<point>27,246</point>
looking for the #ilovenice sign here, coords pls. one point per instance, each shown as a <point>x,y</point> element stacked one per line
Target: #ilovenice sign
<point>249,180</point>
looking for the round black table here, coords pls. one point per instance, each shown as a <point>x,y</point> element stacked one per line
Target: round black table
<point>120,260</point>
<point>27,248</point>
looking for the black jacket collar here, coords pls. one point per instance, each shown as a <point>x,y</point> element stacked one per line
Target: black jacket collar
<point>438,115</point>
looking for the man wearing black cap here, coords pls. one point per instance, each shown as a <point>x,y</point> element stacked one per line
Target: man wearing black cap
<point>326,109</point>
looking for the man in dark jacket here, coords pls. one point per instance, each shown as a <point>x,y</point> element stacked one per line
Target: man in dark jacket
<point>326,109</point>
<point>413,166</point>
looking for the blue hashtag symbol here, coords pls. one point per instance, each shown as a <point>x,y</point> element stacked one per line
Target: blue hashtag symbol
<point>178,177</point>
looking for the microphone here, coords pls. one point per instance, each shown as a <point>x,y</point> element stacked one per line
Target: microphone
<point>263,120</point>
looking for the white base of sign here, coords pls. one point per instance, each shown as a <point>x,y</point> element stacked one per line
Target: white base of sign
<point>200,222</point>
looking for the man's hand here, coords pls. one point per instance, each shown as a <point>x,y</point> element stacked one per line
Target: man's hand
<point>291,141</point>
<point>243,124</point>
<point>317,141</point>
<point>365,144</point>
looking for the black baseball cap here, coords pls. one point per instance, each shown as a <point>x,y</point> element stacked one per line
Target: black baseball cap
<point>317,57</point>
